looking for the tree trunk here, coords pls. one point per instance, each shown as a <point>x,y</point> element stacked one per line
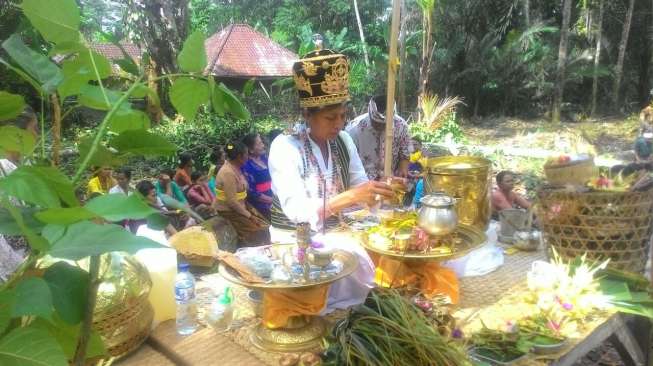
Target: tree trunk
<point>597,58</point>
<point>562,61</point>
<point>165,25</point>
<point>619,68</point>
<point>644,86</point>
<point>362,35</point>
<point>402,58</point>
<point>425,67</point>
<point>527,13</point>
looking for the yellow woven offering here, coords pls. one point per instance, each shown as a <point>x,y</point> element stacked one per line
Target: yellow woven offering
<point>197,245</point>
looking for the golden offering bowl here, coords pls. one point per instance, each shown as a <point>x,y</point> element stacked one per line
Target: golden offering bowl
<point>301,333</point>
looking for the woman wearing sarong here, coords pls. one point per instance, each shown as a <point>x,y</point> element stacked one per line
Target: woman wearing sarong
<point>316,173</point>
<point>231,195</point>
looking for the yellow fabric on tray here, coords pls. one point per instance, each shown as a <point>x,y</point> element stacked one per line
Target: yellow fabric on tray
<point>429,277</point>
<point>279,305</point>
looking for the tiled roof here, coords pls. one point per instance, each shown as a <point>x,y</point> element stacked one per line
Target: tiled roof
<point>113,53</point>
<point>240,51</point>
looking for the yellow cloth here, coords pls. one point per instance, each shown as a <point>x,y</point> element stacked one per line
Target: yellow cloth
<point>221,196</point>
<point>429,277</point>
<point>279,305</point>
<point>95,186</point>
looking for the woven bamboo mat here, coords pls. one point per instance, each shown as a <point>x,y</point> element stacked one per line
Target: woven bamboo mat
<point>487,290</point>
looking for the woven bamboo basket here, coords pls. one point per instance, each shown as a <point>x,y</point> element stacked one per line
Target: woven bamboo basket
<point>575,173</point>
<point>605,225</point>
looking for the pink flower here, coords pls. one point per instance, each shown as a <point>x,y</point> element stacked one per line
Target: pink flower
<point>554,326</point>
<point>567,306</point>
<point>301,255</point>
<point>457,333</point>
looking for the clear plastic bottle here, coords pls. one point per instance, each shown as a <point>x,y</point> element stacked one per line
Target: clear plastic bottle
<point>185,298</point>
<point>221,313</point>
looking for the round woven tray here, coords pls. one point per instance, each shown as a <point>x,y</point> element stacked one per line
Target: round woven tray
<point>605,225</point>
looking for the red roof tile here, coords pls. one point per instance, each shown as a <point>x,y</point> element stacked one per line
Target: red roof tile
<point>240,51</point>
<point>113,53</point>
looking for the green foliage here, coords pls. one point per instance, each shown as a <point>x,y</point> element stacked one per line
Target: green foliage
<point>187,95</point>
<point>192,57</point>
<point>40,70</point>
<point>57,22</point>
<point>15,139</point>
<point>11,105</point>
<point>31,347</point>
<point>26,291</point>
<point>449,127</point>
<point>69,286</point>
<point>43,314</point>
<point>84,239</point>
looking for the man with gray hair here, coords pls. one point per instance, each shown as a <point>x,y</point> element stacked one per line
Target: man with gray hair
<point>368,133</point>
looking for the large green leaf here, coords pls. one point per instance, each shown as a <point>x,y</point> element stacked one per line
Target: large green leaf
<point>141,142</point>
<point>116,207</point>
<point>35,64</point>
<point>69,287</point>
<point>79,71</point>
<point>92,97</point>
<point>233,104</point>
<point>187,95</point>
<point>31,347</point>
<point>42,186</point>
<point>56,20</point>
<point>11,105</point>
<point>54,232</point>
<point>85,238</point>
<point>68,336</point>
<point>64,216</point>
<point>158,221</point>
<point>102,155</point>
<point>192,57</point>
<point>217,97</point>
<point>35,241</point>
<point>130,119</point>
<point>7,301</point>
<point>33,297</point>
<point>9,226</point>
<point>16,139</point>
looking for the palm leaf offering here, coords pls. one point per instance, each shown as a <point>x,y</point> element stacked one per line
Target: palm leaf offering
<point>388,330</point>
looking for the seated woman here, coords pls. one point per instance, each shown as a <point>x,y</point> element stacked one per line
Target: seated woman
<point>503,197</point>
<point>101,182</point>
<point>259,193</point>
<point>148,191</point>
<point>316,173</point>
<point>199,196</point>
<point>184,169</point>
<point>217,160</point>
<point>231,195</point>
<point>644,144</point>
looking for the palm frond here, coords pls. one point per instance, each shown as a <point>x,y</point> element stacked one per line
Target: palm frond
<point>436,110</point>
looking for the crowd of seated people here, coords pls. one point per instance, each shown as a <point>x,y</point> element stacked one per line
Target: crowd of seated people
<point>237,187</point>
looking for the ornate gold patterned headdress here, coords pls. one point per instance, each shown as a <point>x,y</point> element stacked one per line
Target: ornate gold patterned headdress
<point>321,77</point>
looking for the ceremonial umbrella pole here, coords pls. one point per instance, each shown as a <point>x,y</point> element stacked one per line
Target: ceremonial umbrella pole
<point>393,63</point>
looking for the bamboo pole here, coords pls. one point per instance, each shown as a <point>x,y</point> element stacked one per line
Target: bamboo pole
<point>393,63</point>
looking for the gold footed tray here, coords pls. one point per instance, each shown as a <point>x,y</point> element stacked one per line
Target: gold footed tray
<point>467,239</point>
<point>303,333</point>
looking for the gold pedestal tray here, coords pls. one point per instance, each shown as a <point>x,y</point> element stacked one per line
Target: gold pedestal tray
<point>302,333</point>
<point>468,238</point>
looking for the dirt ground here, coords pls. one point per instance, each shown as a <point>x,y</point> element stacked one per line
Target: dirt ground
<point>608,136</point>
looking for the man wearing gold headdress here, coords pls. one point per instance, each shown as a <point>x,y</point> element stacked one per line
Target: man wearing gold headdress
<point>316,173</point>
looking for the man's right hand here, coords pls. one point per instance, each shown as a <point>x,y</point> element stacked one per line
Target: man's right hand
<point>371,192</point>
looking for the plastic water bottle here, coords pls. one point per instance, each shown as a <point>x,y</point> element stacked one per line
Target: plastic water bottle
<point>185,297</point>
<point>221,313</point>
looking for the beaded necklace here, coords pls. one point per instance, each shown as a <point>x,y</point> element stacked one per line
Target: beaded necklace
<point>310,163</point>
